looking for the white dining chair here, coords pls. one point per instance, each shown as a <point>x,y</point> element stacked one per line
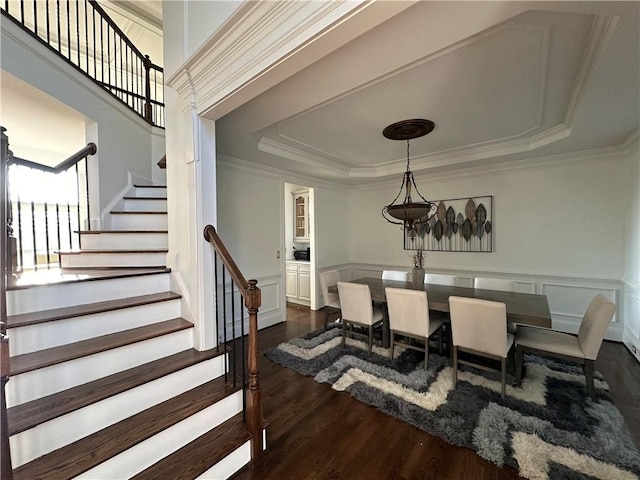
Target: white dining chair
<point>409,317</point>
<point>440,279</point>
<point>358,310</point>
<point>395,275</point>
<point>331,300</point>
<point>582,349</point>
<point>502,284</point>
<point>479,327</point>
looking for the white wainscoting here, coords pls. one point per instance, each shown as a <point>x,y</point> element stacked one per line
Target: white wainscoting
<point>631,314</point>
<point>568,296</point>
<point>271,311</point>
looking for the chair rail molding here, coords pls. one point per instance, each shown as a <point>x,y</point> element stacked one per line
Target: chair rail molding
<point>241,55</point>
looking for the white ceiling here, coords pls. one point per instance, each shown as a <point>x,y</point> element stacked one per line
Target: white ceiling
<point>501,80</point>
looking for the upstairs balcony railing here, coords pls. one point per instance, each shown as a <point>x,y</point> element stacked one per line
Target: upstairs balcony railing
<point>82,33</point>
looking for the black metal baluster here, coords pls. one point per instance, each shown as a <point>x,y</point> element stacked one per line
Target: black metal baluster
<point>224,319</point>
<point>86,38</point>
<point>33,232</point>
<point>86,178</point>
<point>48,26</point>
<point>35,17</point>
<point>22,12</point>
<point>102,50</point>
<point>108,55</point>
<point>233,334</point>
<point>215,298</point>
<point>121,94</point>
<point>21,250</point>
<point>68,31</point>
<point>46,233</point>
<point>243,362</point>
<point>78,32</point>
<point>93,24</point>
<point>69,225</point>
<point>58,19</point>
<point>58,230</point>
<point>78,201</point>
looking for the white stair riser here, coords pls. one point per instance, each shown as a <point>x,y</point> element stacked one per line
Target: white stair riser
<point>61,431</point>
<point>45,381</point>
<point>124,241</point>
<point>74,329</point>
<point>145,205</point>
<point>119,259</point>
<point>229,465</point>
<point>135,221</point>
<point>145,454</point>
<point>149,192</point>
<point>45,297</point>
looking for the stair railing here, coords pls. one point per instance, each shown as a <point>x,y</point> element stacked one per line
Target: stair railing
<point>49,223</point>
<point>232,338</point>
<point>6,471</point>
<point>82,33</point>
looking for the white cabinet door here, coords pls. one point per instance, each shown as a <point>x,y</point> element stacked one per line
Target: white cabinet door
<point>292,282</point>
<point>304,284</point>
<point>301,217</point>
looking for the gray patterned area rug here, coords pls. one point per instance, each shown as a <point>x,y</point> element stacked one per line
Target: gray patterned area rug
<point>546,428</point>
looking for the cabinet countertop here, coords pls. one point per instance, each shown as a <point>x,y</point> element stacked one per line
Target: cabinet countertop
<point>298,262</point>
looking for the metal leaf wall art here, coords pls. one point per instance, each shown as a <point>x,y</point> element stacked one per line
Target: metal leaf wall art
<point>459,225</point>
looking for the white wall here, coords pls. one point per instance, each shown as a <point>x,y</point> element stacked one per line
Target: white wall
<point>123,139</point>
<point>555,220</point>
<point>632,251</point>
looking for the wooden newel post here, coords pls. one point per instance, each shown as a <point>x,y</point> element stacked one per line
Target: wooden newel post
<point>253,300</point>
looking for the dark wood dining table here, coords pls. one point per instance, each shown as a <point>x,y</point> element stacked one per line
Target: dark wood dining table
<point>522,308</point>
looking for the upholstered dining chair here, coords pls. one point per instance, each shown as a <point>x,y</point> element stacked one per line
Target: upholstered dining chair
<point>395,275</point>
<point>331,300</point>
<point>501,284</point>
<point>358,310</point>
<point>582,348</point>
<point>409,317</point>
<point>440,279</point>
<point>479,327</point>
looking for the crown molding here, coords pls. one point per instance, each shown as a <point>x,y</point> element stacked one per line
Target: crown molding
<point>251,168</point>
<point>268,145</point>
<point>245,48</point>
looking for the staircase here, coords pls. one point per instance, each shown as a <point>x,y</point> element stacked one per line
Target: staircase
<point>104,380</point>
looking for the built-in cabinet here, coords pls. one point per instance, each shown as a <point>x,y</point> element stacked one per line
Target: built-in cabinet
<point>301,224</point>
<point>298,282</point>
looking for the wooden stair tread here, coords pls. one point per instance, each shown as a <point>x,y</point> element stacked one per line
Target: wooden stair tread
<point>122,212</point>
<point>200,455</point>
<point>87,274</point>
<point>149,186</point>
<point>78,252</point>
<point>30,414</point>
<point>84,454</point>
<point>96,232</point>
<point>52,356</point>
<point>42,316</point>
<point>144,198</point>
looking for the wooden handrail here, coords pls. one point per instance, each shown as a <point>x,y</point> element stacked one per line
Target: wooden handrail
<point>252,301</point>
<point>212,237</point>
<point>90,149</point>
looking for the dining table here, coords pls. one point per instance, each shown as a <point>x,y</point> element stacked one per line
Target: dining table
<point>522,308</point>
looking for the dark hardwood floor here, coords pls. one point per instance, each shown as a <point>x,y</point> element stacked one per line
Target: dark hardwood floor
<point>318,433</point>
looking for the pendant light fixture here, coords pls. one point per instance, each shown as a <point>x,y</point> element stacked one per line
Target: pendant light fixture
<point>409,214</point>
